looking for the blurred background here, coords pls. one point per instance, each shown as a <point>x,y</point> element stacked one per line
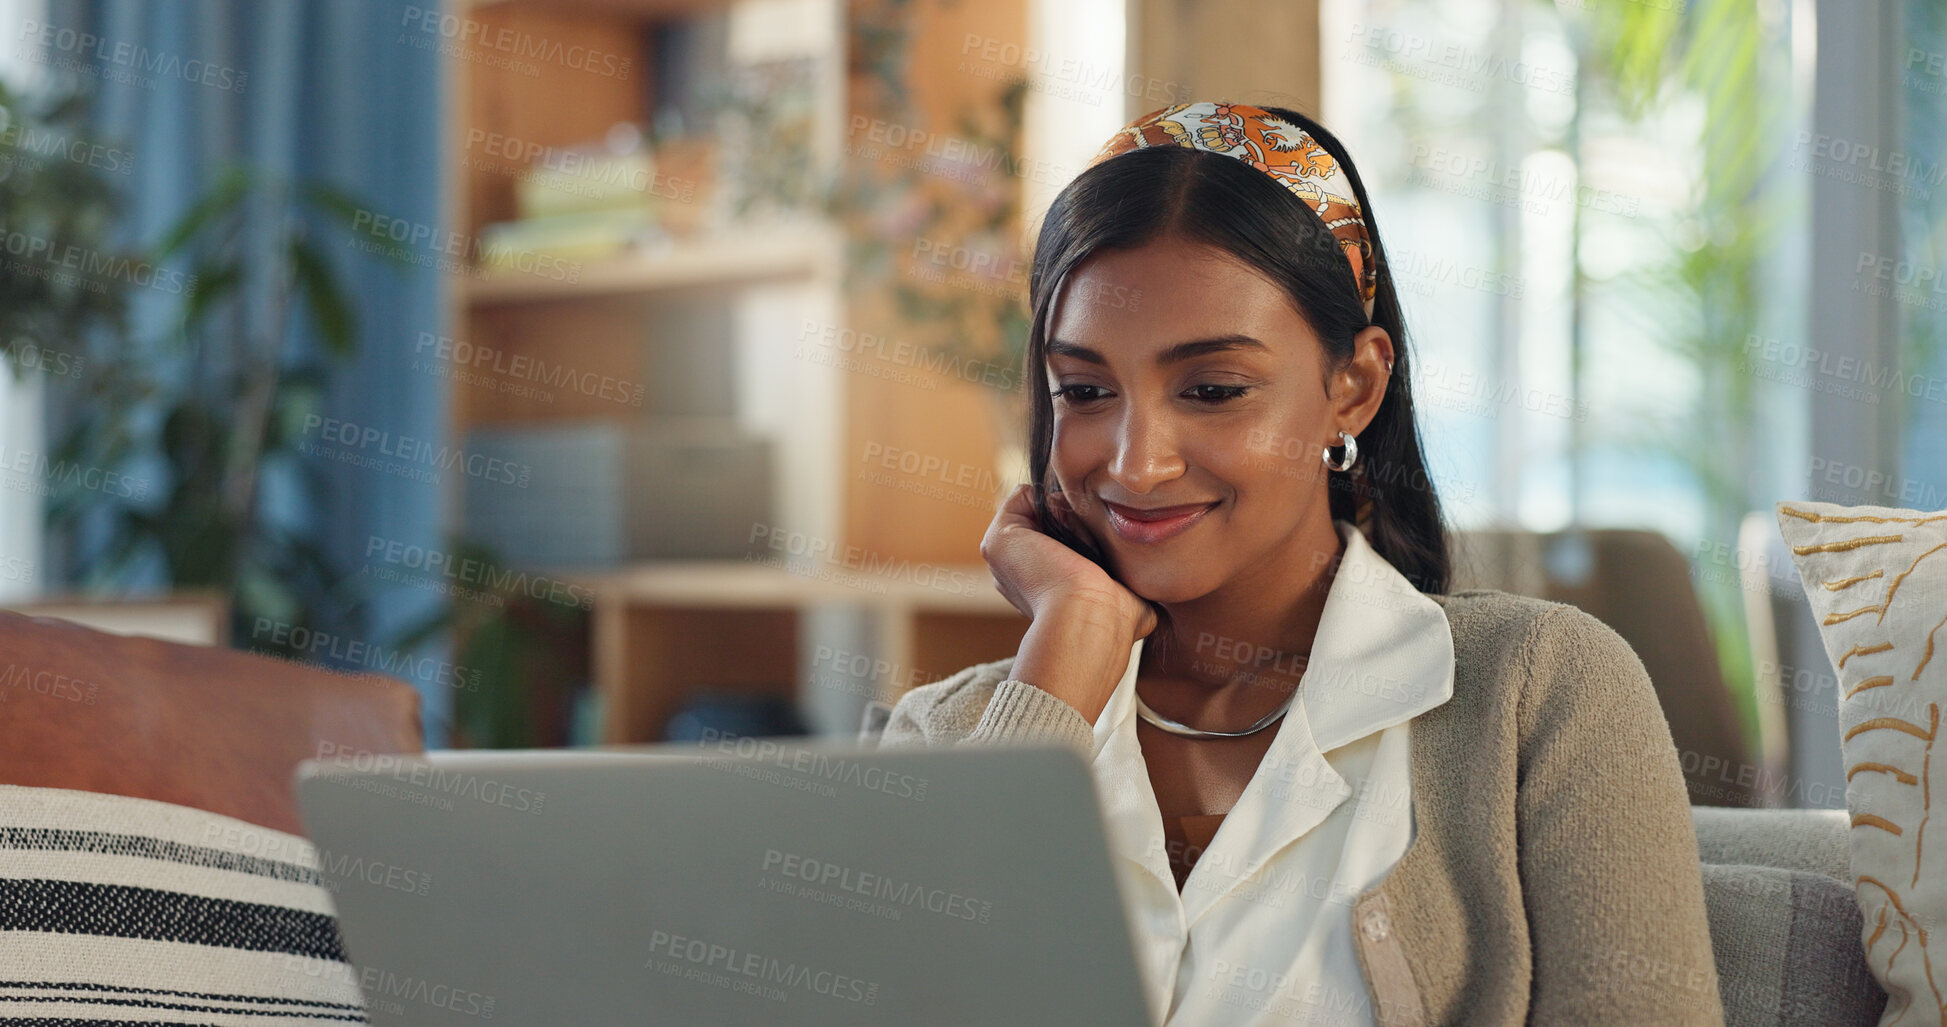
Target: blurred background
<point>634,370</point>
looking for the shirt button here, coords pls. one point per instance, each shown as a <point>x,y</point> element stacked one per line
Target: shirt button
<point>1377,926</point>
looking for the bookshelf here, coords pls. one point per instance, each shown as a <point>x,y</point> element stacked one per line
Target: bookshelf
<point>706,318</point>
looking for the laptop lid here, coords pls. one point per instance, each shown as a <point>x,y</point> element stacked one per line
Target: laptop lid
<point>753,881</point>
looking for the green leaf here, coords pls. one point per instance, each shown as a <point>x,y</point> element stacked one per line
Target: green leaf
<point>330,311</point>
<point>263,595</point>
<point>229,191</point>
<point>335,203</point>
<point>213,282</point>
<point>347,211</point>
<point>417,634</point>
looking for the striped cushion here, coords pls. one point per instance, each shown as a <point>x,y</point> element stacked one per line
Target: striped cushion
<point>120,911</point>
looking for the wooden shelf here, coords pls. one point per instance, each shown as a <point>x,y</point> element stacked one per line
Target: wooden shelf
<point>753,585</point>
<point>644,10</point>
<point>664,630</point>
<point>735,259</point>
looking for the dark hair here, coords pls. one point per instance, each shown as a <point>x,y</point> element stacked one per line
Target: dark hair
<point>1146,193</point>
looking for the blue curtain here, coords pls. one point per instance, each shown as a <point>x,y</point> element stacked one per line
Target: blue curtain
<point>319,90</point>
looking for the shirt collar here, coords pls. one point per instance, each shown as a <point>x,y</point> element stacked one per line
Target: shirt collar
<point>1383,654</point>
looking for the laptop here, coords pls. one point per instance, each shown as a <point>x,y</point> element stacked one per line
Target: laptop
<point>742,881</point>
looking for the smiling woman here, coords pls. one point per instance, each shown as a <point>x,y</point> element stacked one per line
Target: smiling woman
<point>1471,810</point>
<point>1316,343</point>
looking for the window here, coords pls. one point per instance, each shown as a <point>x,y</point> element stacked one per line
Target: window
<point>1599,215</point>
<point>20,392</point>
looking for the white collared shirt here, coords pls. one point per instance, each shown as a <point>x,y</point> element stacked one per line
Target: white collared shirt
<point>1262,931</point>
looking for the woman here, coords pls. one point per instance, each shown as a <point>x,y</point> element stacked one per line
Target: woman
<point>1470,810</point>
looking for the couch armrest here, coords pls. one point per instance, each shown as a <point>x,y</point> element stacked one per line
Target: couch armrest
<point>1812,840</point>
<point>216,729</point>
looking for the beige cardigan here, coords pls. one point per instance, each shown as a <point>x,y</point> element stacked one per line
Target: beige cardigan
<point>1553,877</point>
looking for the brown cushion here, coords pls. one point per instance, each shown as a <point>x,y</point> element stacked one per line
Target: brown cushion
<point>216,729</point>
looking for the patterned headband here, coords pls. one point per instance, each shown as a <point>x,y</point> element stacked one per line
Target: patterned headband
<point>1274,146</point>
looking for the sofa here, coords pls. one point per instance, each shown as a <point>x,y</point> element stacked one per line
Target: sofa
<point>214,730</point>
<point>1785,927</point>
<point>152,860</point>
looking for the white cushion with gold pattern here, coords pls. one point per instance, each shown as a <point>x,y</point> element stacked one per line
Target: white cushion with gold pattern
<point>1877,581</point>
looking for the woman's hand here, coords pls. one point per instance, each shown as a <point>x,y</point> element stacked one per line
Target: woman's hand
<point>1037,572</point>
<point>1085,621</point>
